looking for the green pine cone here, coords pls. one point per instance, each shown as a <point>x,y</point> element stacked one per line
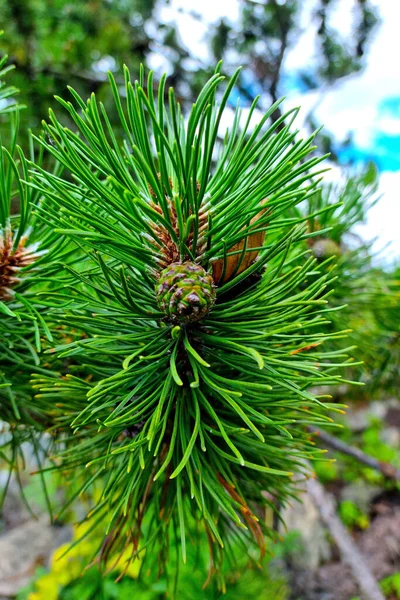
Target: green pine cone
<point>185,292</point>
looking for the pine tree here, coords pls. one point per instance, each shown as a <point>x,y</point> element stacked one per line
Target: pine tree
<point>166,332</point>
<point>187,318</point>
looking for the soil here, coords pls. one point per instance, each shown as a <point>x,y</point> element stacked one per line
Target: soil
<point>379,544</point>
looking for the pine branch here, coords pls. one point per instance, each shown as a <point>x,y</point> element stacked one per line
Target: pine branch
<point>187,322</point>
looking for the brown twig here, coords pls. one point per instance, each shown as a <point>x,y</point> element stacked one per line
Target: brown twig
<point>349,552</point>
<point>389,471</point>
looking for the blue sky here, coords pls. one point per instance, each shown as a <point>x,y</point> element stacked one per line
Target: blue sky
<point>384,146</point>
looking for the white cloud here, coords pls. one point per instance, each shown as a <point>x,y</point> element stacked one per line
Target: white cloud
<point>193,30</point>
<point>388,125</point>
<point>383,218</point>
<point>352,105</point>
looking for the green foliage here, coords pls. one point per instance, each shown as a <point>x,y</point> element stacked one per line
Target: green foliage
<point>173,427</point>
<point>373,445</point>
<point>64,42</point>
<point>175,423</point>
<point>63,582</point>
<point>25,244</point>
<point>387,316</point>
<point>348,470</point>
<point>352,516</point>
<point>349,202</point>
<point>288,546</point>
<point>340,56</point>
<point>391,585</point>
<point>326,470</point>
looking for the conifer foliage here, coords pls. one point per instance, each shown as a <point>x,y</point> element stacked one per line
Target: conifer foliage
<point>188,319</point>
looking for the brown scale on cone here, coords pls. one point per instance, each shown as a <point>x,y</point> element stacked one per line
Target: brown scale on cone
<point>12,260</point>
<point>166,245</point>
<point>235,264</point>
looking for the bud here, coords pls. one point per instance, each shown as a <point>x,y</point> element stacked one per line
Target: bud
<point>240,261</point>
<point>185,292</point>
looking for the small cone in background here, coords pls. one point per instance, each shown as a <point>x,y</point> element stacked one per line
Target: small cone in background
<point>237,263</point>
<point>325,248</point>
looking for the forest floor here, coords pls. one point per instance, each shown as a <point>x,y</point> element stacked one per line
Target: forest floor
<point>368,504</point>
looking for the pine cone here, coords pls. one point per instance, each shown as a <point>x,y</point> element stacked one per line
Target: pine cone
<point>12,260</point>
<point>185,292</point>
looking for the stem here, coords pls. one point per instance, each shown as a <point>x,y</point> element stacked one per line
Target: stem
<point>349,552</point>
<point>388,470</point>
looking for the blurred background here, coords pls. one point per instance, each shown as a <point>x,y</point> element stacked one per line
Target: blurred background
<point>337,60</point>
